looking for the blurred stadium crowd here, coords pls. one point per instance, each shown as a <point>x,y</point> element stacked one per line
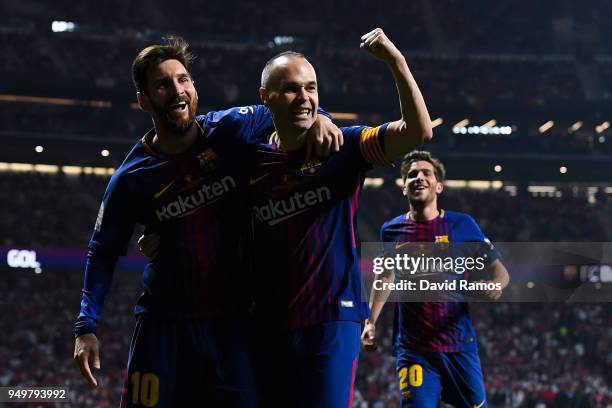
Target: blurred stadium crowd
<point>38,206</point>
<point>482,60</point>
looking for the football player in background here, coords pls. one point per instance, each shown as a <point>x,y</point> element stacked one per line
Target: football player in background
<point>434,342</point>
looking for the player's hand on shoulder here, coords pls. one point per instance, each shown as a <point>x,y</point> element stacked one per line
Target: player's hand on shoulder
<point>368,336</point>
<point>148,244</point>
<point>85,347</point>
<point>323,138</point>
<point>379,45</point>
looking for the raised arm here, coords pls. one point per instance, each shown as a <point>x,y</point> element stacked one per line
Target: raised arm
<point>414,128</point>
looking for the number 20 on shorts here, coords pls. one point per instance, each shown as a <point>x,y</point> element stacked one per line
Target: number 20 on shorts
<point>145,389</point>
<point>412,376</point>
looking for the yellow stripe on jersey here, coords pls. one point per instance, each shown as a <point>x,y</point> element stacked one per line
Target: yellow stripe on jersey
<point>370,147</point>
<point>148,148</point>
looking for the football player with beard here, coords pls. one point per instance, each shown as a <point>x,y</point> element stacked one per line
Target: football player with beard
<point>182,179</point>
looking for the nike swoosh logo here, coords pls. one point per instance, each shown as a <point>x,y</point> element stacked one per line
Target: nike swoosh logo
<point>163,190</point>
<point>480,405</point>
<point>402,244</point>
<point>255,180</point>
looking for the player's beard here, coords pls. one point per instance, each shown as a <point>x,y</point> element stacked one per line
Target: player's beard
<point>418,203</point>
<point>173,124</point>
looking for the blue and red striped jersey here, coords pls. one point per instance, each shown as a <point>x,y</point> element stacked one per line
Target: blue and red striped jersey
<point>435,326</point>
<point>194,201</point>
<point>304,220</point>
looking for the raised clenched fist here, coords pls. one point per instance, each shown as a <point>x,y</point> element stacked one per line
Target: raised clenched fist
<point>379,45</point>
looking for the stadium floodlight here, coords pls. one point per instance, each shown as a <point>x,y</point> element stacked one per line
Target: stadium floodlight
<point>46,168</point>
<point>576,126</point>
<point>51,168</point>
<point>105,153</point>
<point>600,128</point>
<point>63,26</point>
<point>497,168</point>
<point>546,126</point>
<point>283,40</point>
<point>562,169</point>
<point>479,184</point>
<point>462,123</point>
<point>21,167</point>
<point>72,170</point>
<point>490,124</point>
<point>373,182</point>
<point>437,122</point>
<point>39,149</point>
<point>484,130</point>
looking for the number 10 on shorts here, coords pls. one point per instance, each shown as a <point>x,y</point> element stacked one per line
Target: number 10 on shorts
<point>145,389</point>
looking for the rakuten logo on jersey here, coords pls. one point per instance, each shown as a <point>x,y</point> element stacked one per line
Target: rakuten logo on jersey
<point>278,211</point>
<point>190,203</point>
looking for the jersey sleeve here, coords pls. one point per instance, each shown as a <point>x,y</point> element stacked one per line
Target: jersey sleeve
<point>383,230</point>
<point>112,232</point>
<point>116,219</point>
<point>366,144</point>
<point>247,124</point>
<point>386,244</point>
<point>240,125</point>
<point>475,234</point>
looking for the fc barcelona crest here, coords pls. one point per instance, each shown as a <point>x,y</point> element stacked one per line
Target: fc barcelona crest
<point>442,242</point>
<point>311,168</point>
<point>208,160</point>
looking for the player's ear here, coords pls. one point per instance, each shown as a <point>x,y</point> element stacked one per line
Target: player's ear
<point>143,101</point>
<point>263,95</point>
<point>405,188</point>
<point>439,187</point>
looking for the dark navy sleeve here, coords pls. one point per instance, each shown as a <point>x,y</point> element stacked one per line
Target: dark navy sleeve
<point>386,244</point>
<point>471,233</point>
<point>112,232</point>
<point>247,124</point>
<point>383,229</point>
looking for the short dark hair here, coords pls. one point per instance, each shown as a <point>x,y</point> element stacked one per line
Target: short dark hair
<point>265,74</point>
<point>420,155</point>
<point>174,48</point>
